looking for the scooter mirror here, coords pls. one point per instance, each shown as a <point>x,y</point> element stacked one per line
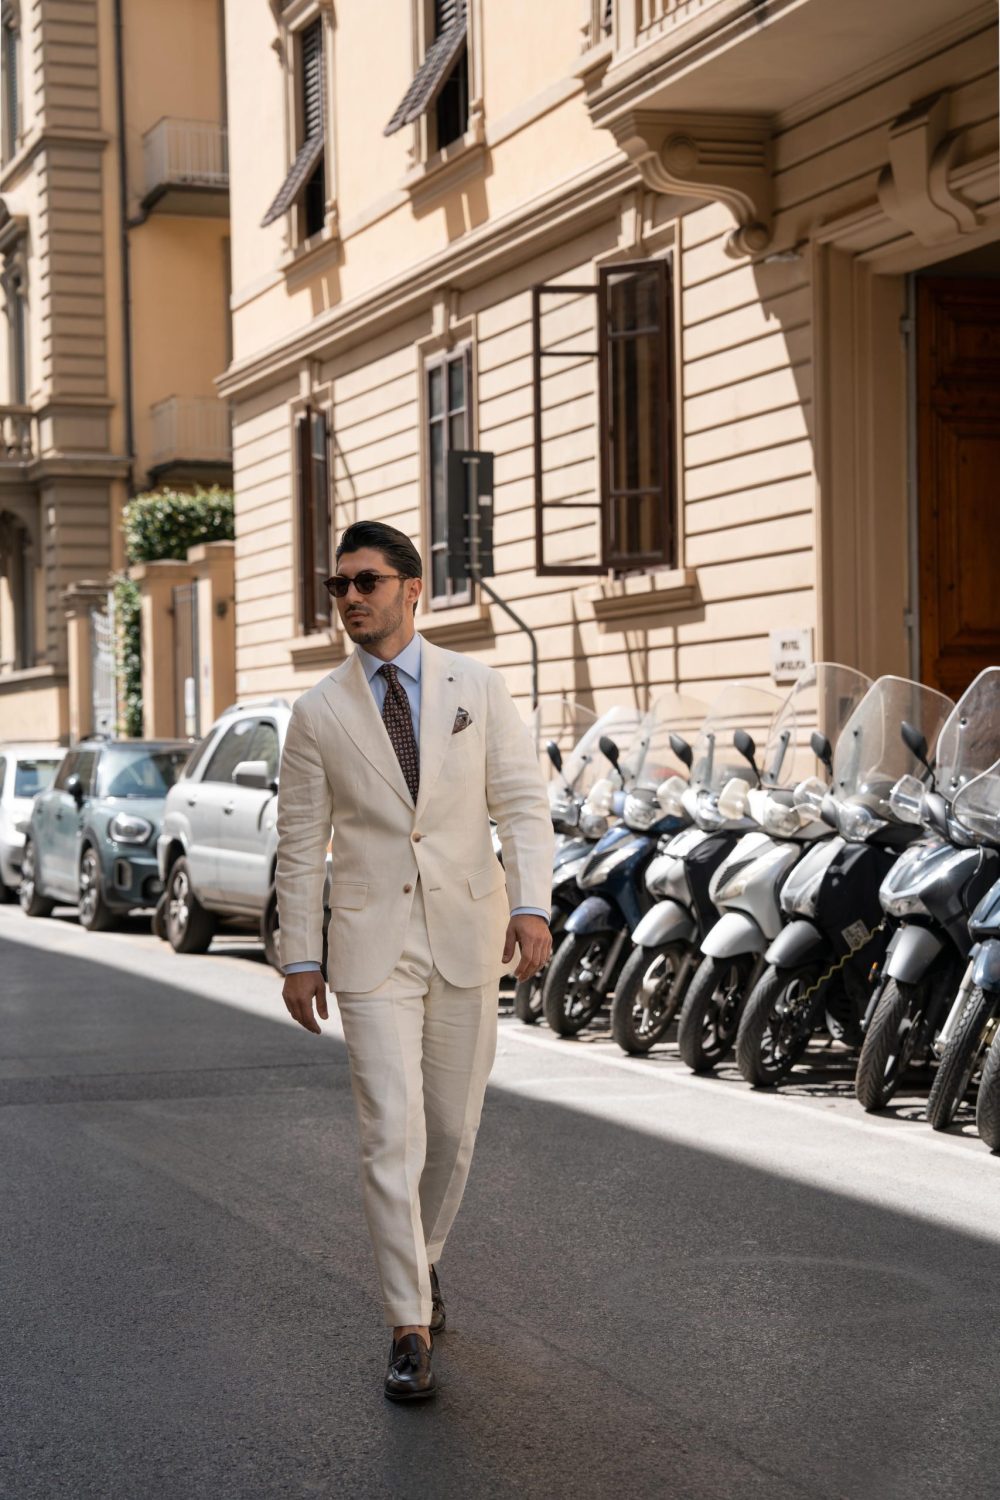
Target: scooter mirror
<point>554,753</point>
<point>914,742</point>
<point>682,750</point>
<point>743,742</point>
<point>822,750</point>
<point>609,749</point>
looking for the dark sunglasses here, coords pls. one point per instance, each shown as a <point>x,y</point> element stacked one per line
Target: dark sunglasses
<point>366,582</point>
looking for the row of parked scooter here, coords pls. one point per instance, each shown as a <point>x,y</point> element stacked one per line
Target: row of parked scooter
<point>841,882</point>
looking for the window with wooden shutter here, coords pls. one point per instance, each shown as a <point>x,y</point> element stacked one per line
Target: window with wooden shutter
<point>604,423</point>
<point>313,494</point>
<point>305,183</point>
<point>442,80</point>
<point>449,425</point>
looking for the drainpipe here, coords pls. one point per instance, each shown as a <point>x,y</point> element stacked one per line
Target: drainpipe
<point>126,272</point>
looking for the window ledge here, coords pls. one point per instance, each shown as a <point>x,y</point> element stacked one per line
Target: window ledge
<point>324,648</point>
<point>619,602</point>
<point>446,169</point>
<point>463,622</point>
<point>314,248</point>
<point>28,677</point>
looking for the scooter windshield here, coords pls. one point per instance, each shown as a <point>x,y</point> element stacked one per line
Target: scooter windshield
<point>824,698</point>
<point>870,756</point>
<point>583,764</point>
<point>739,705</point>
<point>651,758</point>
<point>977,805</point>
<point>563,721</point>
<point>970,740</point>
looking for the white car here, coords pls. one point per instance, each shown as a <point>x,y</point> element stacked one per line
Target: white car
<point>217,846</point>
<point>25,770</point>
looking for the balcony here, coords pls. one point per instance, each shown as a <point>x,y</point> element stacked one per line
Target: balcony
<point>186,168</point>
<point>17,435</point>
<point>192,439</point>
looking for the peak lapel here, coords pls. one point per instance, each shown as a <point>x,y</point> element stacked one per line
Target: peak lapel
<point>440,692</point>
<point>349,695</point>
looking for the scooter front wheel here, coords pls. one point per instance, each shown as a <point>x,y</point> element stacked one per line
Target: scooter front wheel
<point>572,994</point>
<point>962,1057</point>
<point>647,996</point>
<point>891,1039</point>
<point>777,1024</point>
<point>712,1009</point>
<point>988,1099</point>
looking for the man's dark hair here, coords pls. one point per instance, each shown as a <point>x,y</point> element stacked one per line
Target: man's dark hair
<point>399,551</point>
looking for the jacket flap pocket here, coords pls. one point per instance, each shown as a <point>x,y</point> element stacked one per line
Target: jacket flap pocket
<point>348,893</point>
<point>482,882</point>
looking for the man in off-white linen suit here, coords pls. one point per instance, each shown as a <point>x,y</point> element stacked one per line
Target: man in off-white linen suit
<point>421,920</point>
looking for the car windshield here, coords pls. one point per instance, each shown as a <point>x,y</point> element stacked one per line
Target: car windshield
<point>739,705</point>
<point>140,770</point>
<point>870,756</point>
<point>33,776</point>
<point>823,698</point>
<point>968,743</point>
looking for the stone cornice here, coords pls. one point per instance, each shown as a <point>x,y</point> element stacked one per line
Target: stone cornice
<point>550,219</point>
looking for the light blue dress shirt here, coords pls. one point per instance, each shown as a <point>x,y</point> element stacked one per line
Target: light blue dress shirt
<point>407,665</point>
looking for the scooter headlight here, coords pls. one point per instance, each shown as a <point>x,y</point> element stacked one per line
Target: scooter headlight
<point>907,799</point>
<point>808,796</point>
<point>641,811</point>
<point>593,825</point>
<point>600,796</point>
<point>734,799</point>
<point>780,820</point>
<point>669,794</point>
<point>598,872</point>
<point>857,823</point>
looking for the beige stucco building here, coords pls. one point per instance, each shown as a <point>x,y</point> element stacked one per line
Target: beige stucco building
<point>114,269</point>
<point>715,281</point>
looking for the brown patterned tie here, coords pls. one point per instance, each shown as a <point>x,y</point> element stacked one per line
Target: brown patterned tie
<point>398,721</point>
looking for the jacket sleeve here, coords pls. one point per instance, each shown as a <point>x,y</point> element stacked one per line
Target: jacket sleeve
<point>516,798</point>
<point>305,813</point>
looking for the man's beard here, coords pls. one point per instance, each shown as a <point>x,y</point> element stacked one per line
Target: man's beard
<point>373,634</point>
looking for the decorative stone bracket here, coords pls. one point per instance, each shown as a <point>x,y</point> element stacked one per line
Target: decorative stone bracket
<point>913,189</point>
<point>724,158</point>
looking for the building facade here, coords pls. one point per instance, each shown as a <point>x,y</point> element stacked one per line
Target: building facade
<point>114,270</point>
<point>717,284</point>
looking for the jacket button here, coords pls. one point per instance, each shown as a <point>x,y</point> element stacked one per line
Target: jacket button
<point>407,889</point>
<point>417,837</point>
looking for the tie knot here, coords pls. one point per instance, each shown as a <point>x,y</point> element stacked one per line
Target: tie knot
<point>388,671</point>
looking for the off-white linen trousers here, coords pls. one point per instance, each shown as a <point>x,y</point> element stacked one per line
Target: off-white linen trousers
<point>420,1051</point>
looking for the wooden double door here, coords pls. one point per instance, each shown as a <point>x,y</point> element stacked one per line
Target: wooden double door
<point>958,476</point>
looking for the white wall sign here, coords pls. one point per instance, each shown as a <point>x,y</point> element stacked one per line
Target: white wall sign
<point>791,652</point>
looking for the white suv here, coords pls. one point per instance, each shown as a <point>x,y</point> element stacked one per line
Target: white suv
<point>217,845</point>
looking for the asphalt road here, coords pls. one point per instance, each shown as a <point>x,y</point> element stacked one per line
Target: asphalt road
<point>658,1286</point>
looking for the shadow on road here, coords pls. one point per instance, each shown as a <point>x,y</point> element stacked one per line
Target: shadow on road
<point>189,1305</point>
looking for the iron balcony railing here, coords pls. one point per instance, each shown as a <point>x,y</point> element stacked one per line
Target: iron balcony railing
<point>195,429</point>
<point>17,437</point>
<point>185,153</point>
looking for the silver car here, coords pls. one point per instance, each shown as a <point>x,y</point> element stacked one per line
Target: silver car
<point>25,770</point>
<point>217,845</point>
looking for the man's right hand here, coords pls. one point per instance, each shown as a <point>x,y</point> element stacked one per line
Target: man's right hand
<point>299,992</point>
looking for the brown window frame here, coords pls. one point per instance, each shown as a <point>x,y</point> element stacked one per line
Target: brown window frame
<point>613,557</point>
<point>461,354</point>
<point>312,489</point>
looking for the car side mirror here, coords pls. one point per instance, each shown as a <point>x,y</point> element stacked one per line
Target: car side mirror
<point>682,750</point>
<point>74,787</point>
<point>255,774</point>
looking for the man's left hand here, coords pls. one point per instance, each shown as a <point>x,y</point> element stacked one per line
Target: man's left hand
<point>532,936</point>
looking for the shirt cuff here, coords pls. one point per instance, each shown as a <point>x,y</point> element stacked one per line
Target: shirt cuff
<point>307,966</point>
<point>530,911</point>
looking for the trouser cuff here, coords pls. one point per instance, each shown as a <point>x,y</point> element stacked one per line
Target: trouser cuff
<point>398,1317</point>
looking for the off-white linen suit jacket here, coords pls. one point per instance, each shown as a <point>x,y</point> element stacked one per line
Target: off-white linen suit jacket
<point>338,766</point>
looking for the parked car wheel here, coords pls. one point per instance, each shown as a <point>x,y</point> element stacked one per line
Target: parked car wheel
<point>32,903</point>
<point>190,927</point>
<point>270,930</point>
<point>95,913</point>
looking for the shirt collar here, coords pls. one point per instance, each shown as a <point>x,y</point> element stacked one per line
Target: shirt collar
<point>408,660</point>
